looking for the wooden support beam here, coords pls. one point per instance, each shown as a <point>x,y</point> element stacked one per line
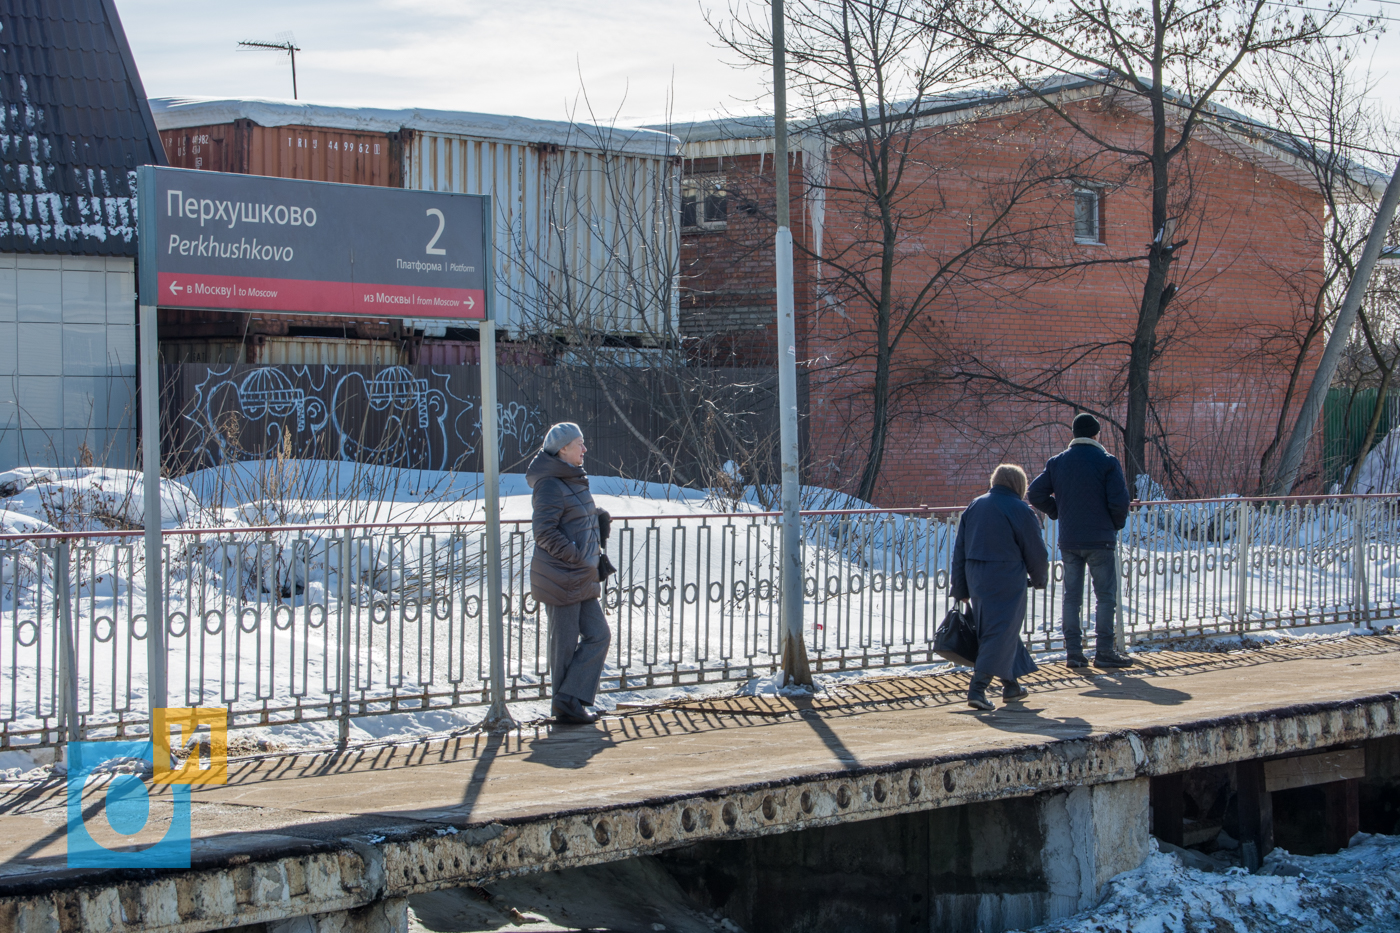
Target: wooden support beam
<point>1308,770</point>
<point>1256,810</point>
<point>1167,796</point>
<point>1342,813</point>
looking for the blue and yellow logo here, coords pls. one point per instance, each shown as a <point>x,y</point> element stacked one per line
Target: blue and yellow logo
<point>112,823</point>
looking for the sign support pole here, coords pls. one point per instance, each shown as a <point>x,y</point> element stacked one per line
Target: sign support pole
<point>149,387</point>
<point>498,715</point>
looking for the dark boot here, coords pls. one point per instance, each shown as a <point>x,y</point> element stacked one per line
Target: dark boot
<point>1074,653</point>
<point>1108,658</point>
<point>1011,690</point>
<point>566,708</point>
<point>977,692</point>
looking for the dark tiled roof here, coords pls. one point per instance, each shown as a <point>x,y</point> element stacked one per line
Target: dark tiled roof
<point>74,124</point>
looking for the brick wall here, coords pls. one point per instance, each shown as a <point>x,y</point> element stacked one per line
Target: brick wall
<point>1041,311</point>
<point>727,289</point>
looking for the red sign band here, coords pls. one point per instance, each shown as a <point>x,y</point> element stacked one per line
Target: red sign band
<point>240,293</point>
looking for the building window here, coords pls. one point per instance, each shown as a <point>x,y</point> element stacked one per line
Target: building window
<point>1088,210</point>
<point>704,202</point>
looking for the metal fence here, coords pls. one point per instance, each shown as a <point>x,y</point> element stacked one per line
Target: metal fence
<point>329,623</point>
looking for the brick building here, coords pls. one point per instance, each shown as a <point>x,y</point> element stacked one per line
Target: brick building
<point>1014,290</point>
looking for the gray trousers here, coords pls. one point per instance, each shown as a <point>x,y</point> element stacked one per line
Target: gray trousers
<point>1103,570</point>
<point>578,645</point>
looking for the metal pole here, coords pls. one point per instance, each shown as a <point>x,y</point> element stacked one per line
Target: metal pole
<point>347,556</point>
<point>157,696</point>
<point>1361,587</point>
<point>67,651</point>
<point>1242,533</point>
<point>1337,341</point>
<point>497,716</point>
<point>795,667</point>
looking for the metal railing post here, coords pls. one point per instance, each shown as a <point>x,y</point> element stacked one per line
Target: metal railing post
<point>67,650</point>
<point>1119,628</point>
<point>1242,533</point>
<point>346,552</point>
<point>1361,589</point>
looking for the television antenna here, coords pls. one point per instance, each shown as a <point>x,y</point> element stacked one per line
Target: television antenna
<point>286,42</point>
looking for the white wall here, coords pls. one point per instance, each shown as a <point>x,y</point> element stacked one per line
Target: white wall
<point>67,359</point>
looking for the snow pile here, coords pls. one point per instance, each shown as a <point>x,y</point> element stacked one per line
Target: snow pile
<point>87,499</point>
<point>1380,471</point>
<point>1358,889</point>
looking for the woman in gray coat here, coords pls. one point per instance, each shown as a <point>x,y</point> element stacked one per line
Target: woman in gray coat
<point>564,574</point>
<point>998,553</point>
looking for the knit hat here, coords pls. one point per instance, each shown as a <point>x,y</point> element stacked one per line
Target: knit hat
<point>1085,425</point>
<point>561,434</point>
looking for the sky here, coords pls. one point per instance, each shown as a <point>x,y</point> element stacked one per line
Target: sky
<point>636,60</point>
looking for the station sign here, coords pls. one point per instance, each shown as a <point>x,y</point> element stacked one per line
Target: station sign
<point>253,243</point>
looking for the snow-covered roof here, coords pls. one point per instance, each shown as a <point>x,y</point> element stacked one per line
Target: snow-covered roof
<point>180,112</point>
<point>73,127</point>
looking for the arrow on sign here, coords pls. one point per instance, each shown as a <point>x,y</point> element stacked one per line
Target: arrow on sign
<point>471,302</point>
<point>176,289</point>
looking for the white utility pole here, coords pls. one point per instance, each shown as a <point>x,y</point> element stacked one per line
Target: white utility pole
<point>795,667</point>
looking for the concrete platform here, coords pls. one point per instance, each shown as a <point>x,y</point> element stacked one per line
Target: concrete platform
<point>299,834</point>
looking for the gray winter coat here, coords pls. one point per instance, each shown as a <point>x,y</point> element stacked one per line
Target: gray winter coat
<point>564,568</point>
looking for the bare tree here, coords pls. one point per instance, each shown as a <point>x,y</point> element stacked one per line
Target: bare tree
<point>1328,117</point>
<point>601,294</point>
<point>1171,61</point>
<point>873,85</point>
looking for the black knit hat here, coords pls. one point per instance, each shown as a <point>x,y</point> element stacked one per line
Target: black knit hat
<point>1085,425</point>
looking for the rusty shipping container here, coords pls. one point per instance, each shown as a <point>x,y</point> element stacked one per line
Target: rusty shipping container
<point>307,152</point>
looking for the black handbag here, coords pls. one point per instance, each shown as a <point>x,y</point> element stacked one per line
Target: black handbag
<point>956,638</point>
<point>605,567</point>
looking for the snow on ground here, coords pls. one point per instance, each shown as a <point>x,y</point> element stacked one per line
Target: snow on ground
<point>1356,890</point>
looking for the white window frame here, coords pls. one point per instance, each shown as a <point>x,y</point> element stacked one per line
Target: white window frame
<point>1097,194</point>
<point>703,184</point>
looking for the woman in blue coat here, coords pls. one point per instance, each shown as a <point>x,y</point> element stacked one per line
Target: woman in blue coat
<point>998,553</point>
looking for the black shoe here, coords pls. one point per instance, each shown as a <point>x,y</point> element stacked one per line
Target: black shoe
<point>977,699</point>
<point>1011,690</point>
<point>1076,661</point>
<point>1112,660</point>
<point>568,709</point>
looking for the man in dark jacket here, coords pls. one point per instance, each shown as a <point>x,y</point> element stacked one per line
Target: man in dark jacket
<point>564,571</point>
<point>1083,488</point>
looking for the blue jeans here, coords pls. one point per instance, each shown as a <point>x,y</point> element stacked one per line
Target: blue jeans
<point>1103,571</point>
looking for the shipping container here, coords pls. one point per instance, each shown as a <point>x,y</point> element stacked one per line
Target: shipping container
<point>586,218</point>
<point>468,353</point>
<point>587,221</point>
<point>307,152</point>
<point>267,351</point>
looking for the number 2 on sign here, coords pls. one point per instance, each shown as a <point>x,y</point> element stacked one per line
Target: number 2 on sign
<point>433,249</point>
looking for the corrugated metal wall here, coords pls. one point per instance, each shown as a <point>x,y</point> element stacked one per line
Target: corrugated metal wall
<point>580,234</point>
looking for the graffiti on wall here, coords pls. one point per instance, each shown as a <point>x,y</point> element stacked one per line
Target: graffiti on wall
<point>421,417</point>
